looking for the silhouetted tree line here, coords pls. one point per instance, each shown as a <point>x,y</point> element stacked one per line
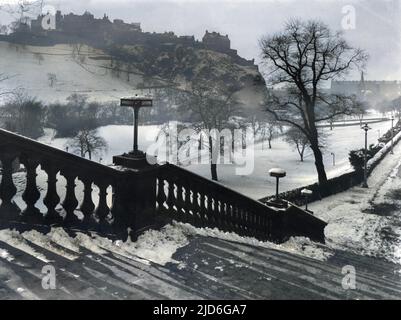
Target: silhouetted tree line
<point>24,115</point>
<point>28,116</point>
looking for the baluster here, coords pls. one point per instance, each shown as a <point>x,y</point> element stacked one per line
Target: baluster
<point>240,218</point>
<point>188,203</point>
<point>225,214</point>
<point>244,222</point>
<point>196,207</point>
<point>203,208</point>
<point>230,216</point>
<point>31,194</point>
<point>171,197</point>
<point>212,211</point>
<point>222,213</point>
<point>180,200</point>
<point>102,210</point>
<point>8,209</point>
<point>236,221</point>
<point>87,206</point>
<point>51,199</point>
<point>70,202</point>
<point>248,223</point>
<point>161,195</point>
<point>208,208</point>
<point>216,210</point>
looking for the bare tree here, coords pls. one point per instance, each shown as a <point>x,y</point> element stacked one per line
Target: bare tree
<point>255,125</point>
<point>24,115</point>
<point>302,58</point>
<point>361,108</point>
<point>22,11</point>
<point>3,29</point>
<point>78,102</point>
<point>271,130</point>
<point>39,57</point>
<point>52,79</point>
<point>87,142</point>
<point>5,92</point>
<point>210,103</point>
<point>296,138</point>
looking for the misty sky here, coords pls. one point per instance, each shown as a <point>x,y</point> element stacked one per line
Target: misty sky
<point>245,21</point>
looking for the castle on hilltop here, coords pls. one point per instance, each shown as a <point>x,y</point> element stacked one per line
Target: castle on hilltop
<point>72,23</point>
<point>374,91</point>
<point>100,32</point>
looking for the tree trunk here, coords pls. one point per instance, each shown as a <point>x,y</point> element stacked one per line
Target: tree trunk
<point>319,164</point>
<point>302,153</point>
<point>213,160</point>
<point>270,143</point>
<point>213,170</point>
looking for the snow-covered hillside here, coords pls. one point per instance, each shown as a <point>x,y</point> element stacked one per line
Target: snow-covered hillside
<point>29,67</point>
<point>53,73</point>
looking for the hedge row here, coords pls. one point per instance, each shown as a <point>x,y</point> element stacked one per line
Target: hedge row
<point>333,186</point>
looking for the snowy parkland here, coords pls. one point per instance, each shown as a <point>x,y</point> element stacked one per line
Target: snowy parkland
<point>184,262</point>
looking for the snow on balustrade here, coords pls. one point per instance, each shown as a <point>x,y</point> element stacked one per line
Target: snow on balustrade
<point>57,187</point>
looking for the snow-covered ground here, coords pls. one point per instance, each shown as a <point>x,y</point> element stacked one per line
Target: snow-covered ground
<point>152,247</point>
<point>358,218</point>
<point>160,260</point>
<point>258,184</point>
<point>22,65</point>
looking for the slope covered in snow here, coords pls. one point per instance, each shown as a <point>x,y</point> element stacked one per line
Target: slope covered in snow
<point>55,72</point>
<point>28,67</point>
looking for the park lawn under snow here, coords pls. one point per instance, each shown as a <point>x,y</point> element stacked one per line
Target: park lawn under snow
<point>258,184</point>
<point>21,64</point>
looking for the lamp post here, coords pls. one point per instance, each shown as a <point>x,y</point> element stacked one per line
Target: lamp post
<point>366,128</point>
<point>392,134</point>
<point>278,174</point>
<point>136,158</point>
<point>306,193</point>
<point>136,103</point>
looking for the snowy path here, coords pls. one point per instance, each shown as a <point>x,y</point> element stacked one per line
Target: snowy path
<point>359,219</point>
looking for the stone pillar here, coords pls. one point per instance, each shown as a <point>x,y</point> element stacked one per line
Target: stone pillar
<point>135,196</point>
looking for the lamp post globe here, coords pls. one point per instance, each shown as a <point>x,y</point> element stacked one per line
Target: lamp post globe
<point>277,173</point>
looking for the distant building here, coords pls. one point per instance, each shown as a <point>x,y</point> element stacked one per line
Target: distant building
<point>375,91</point>
<point>76,24</point>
